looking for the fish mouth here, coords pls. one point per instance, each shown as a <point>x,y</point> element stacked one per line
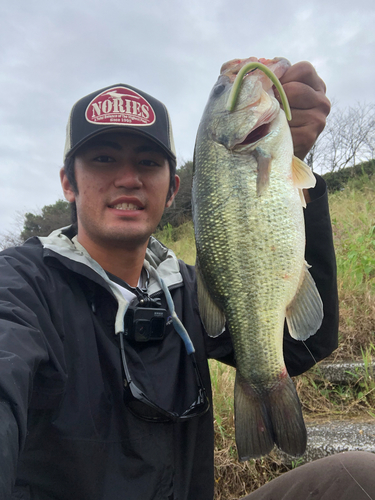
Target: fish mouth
<point>256,135</point>
<point>262,128</point>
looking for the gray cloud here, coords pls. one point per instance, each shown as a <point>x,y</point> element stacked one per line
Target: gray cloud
<point>53,53</point>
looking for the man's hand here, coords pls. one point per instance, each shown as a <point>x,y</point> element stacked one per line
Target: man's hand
<point>308,103</point>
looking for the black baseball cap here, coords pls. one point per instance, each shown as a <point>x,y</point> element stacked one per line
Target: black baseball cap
<point>119,107</point>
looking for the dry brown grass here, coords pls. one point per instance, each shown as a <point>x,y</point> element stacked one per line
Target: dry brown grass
<point>357,322</point>
<point>234,479</point>
<point>321,401</point>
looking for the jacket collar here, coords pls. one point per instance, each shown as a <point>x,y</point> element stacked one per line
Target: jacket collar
<point>158,258</point>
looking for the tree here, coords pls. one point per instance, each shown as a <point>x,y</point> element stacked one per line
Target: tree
<point>180,211</point>
<point>51,217</point>
<point>12,238</point>
<point>9,240</point>
<point>348,139</point>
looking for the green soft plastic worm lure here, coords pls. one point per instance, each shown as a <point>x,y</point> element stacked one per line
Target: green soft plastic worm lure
<point>232,99</point>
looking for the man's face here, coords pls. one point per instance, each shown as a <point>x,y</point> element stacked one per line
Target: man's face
<point>123,182</point>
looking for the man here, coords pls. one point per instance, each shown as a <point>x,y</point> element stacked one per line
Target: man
<point>95,406</point>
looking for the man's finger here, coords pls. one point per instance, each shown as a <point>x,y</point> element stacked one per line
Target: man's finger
<point>303,139</point>
<point>309,117</point>
<point>301,96</point>
<point>304,72</point>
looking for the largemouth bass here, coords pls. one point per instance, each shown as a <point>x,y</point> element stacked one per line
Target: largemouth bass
<point>250,238</point>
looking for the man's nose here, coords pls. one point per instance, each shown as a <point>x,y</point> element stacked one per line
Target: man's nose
<point>128,176</point>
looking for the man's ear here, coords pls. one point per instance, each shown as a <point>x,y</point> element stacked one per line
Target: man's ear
<point>177,187</point>
<point>67,187</point>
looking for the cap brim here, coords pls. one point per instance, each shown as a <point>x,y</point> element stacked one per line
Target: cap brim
<point>121,129</point>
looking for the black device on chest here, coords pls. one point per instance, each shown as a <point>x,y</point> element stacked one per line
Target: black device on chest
<point>145,320</point>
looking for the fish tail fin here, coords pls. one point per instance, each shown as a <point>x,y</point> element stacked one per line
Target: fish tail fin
<point>265,419</point>
<point>254,431</point>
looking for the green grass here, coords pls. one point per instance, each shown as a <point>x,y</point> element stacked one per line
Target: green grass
<point>179,239</point>
<point>353,220</point>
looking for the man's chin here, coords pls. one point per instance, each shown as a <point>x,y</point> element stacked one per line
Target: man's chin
<point>125,238</point>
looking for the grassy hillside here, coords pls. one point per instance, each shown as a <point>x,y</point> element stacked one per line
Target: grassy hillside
<point>353,219</point>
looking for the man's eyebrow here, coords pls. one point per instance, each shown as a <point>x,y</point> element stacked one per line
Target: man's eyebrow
<point>98,143</point>
<point>146,148</point>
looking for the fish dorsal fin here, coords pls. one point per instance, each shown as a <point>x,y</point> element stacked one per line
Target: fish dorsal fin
<point>304,315</point>
<point>212,317</point>
<point>303,177</point>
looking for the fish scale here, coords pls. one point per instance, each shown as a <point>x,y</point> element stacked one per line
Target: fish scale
<point>249,231</point>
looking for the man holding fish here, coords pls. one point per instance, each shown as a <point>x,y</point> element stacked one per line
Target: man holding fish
<point>104,383</point>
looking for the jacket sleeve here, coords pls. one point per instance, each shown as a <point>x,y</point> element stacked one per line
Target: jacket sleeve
<point>24,318</point>
<point>320,255</point>
<point>8,450</point>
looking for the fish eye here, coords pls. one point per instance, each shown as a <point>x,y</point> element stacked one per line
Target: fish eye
<point>219,89</point>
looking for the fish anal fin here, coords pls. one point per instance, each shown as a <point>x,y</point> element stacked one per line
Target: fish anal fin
<point>302,175</point>
<point>212,316</point>
<point>263,170</point>
<point>268,417</point>
<point>304,315</point>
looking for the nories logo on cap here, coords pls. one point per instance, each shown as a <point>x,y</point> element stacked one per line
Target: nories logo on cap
<point>120,106</point>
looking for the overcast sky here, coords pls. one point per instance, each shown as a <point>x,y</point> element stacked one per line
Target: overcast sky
<point>52,53</point>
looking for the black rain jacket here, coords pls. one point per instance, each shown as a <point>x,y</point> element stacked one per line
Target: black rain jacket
<point>65,432</point>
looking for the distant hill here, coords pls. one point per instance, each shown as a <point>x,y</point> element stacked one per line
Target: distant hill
<point>336,181</point>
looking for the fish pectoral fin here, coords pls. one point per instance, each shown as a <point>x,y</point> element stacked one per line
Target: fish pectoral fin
<point>304,315</point>
<point>302,197</point>
<point>212,316</point>
<point>303,177</point>
<point>263,170</point>
<point>267,417</point>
